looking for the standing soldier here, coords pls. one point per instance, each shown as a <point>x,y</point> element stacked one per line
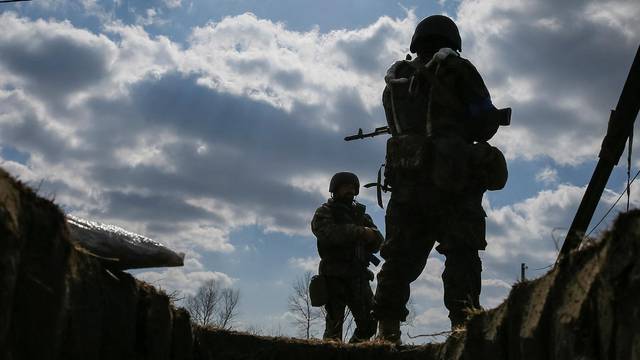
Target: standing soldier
<point>438,165</point>
<point>347,239</point>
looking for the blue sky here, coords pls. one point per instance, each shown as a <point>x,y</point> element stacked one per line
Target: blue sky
<point>214,126</point>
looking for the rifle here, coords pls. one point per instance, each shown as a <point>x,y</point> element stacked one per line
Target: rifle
<point>360,135</point>
<point>501,116</point>
<point>361,254</point>
<point>365,259</point>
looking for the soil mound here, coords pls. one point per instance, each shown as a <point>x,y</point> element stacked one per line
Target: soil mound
<point>59,302</point>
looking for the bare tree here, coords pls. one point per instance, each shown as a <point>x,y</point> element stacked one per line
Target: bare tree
<point>175,296</point>
<point>228,307</point>
<point>214,305</point>
<point>256,330</point>
<point>305,315</point>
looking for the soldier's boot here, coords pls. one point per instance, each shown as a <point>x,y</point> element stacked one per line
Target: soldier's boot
<point>458,321</point>
<point>389,330</point>
<point>460,317</point>
<point>364,331</point>
<point>333,330</point>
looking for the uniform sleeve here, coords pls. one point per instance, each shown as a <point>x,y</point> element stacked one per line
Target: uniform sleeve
<point>475,95</point>
<point>369,223</point>
<point>471,87</point>
<point>325,228</point>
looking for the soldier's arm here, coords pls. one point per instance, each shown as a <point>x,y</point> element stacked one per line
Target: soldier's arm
<point>475,95</point>
<point>325,228</point>
<point>377,240</point>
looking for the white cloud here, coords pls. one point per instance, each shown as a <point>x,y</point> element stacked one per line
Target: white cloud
<point>172,4</point>
<point>527,52</point>
<point>185,280</point>
<point>547,176</point>
<point>524,229</point>
<point>97,125</point>
<point>429,283</point>
<point>496,283</point>
<point>264,60</point>
<point>433,318</point>
<point>619,15</point>
<point>316,79</point>
<point>242,124</point>
<point>306,264</point>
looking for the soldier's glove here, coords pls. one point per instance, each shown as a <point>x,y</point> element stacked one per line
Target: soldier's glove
<point>372,239</point>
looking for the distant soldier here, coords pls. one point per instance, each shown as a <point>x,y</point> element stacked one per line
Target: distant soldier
<point>438,165</point>
<point>347,238</point>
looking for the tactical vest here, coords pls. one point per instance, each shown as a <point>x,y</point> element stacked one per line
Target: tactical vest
<point>342,214</point>
<point>405,100</point>
<point>434,124</point>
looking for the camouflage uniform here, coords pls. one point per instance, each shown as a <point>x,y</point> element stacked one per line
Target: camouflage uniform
<point>437,167</point>
<point>340,230</point>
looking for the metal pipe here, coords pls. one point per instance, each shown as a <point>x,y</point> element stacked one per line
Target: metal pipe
<point>618,130</point>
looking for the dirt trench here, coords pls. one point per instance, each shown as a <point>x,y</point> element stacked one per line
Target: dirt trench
<point>59,302</point>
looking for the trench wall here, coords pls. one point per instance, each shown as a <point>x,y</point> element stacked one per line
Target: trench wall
<point>59,302</point>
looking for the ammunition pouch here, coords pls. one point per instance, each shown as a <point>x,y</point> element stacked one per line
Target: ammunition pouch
<point>407,156</point>
<point>451,170</point>
<point>318,291</point>
<point>490,166</point>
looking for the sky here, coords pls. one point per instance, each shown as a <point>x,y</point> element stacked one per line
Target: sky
<point>214,126</point>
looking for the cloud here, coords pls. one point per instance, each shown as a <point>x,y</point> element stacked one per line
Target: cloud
<point>161,128</point>
<point>547,176</point>
<point>53,59</point>
<point>306,264</point>
<point>429,283</point>
<point>189,111</point>
<point>247,55</point>
<point>242,123</point>
<point>524,230</point>
<point>186,280</point>
<point>531,231</point>
<point>433,318</point>
<point>134,206</point>
<point>172,4</point>
<point>560,66</point>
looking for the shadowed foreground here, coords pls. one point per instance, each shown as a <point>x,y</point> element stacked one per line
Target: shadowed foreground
<point>58,302</point>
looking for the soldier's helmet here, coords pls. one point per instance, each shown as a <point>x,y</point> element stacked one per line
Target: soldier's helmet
<point>342,178</point>
<point>437,26</point>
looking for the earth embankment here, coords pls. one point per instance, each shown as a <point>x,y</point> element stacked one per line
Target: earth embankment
<point>57,301</point>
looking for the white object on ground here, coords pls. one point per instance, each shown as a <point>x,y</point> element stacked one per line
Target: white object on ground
<point>120,249</point>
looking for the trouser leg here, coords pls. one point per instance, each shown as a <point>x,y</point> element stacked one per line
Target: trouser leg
<point>360,303</point>
<point>405,250</point>
<point>462,284</point>
<point>333,321</point>
<point>334,309</point>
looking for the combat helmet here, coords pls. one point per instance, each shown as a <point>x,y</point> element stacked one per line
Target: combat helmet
<point>342,178</point>
<point>438,26</point>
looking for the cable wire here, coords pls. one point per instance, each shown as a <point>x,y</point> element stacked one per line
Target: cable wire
<point>630,150</point>
<point>544,267</point>
<point>612,206</point>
